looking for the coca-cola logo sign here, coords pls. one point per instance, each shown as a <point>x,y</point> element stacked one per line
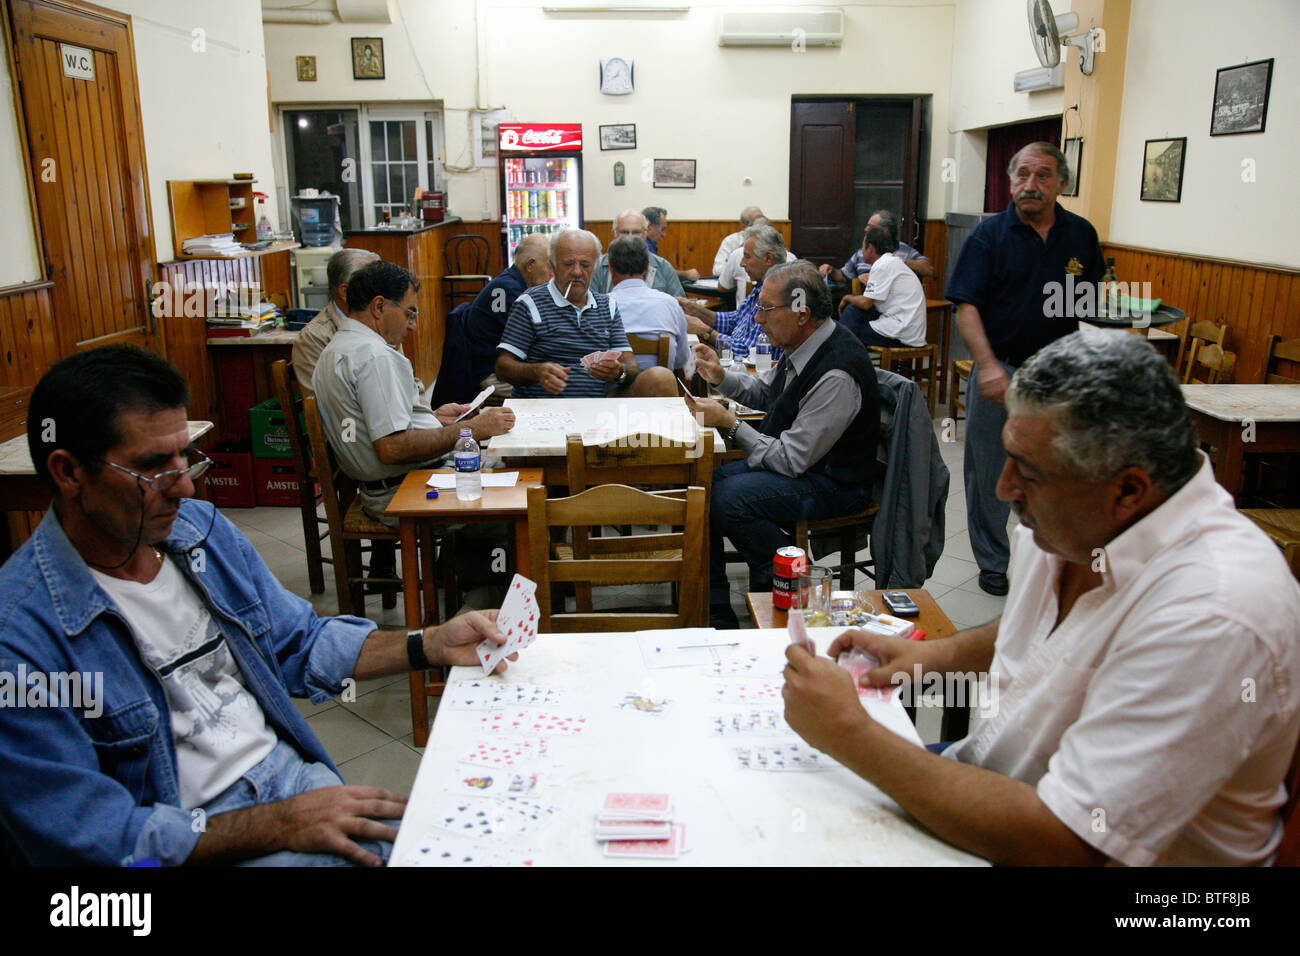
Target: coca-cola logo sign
<point>541,137</point>
<point>509,138</point>
<point>545,137</point>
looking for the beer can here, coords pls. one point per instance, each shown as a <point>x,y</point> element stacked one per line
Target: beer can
<point>788,564</point>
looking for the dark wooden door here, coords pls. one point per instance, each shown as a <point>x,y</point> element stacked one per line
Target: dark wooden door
<point>822,137</point>
<point>886,168</point>
<point>86,152</point>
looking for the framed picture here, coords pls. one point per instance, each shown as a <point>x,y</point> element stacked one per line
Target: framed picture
<point>1162,170</point>
<point>621,136</point>
<point>485,135</point>
<point>674,174</point>
<point>306,69</point>
<point>1073,153</point>
<point>367,58</point>
<point>1241,98</point>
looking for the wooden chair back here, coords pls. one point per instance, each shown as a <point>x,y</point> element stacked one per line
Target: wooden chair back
<point>1199,334</point>
<point>920,364</point>
<point>288,392</point>
<point>1281,350</point>
<point>658,346</point>
<point>618,505</point>
<point>1211,365</point>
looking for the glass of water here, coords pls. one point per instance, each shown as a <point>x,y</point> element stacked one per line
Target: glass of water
<point>724,356</point>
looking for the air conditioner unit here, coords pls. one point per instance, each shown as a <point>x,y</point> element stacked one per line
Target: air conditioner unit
<point>1040,78</point>
<point>780,27</point>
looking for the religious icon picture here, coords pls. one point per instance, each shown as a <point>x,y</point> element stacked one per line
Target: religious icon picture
<point>306,69</point>
<point>367,58</point>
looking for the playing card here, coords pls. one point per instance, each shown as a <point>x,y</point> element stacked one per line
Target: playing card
<point>484,694</point>
<point>532,723</point>
<point>749,723</point>
<point>508,754</point>
<point>650,849</point>
<point>476,819</point>
<point>857,663</point>
<point>750,666</point>
<point>439,849</point>
<point>517,620</point>
<point>792,756</point>
<point>798,630</point>
<point>636,806</point>
<point>472,781</point>
<point>632,830</point>
<point>641,704</point>
<point>746,692</point>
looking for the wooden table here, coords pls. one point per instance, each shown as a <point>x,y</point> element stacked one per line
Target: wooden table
<point>417,515</point>
<point>932,620</point>
<point>733,817</point>
<point>1235,419</point>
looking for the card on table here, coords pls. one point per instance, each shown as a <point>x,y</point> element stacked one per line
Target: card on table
<point>747,692</point>
<point>753,665</point>
<point>531,723</point>
<point>508,754</point>
<point>669,849</point>
<point>486,694</point>
<point>517,621</point>
<point>792,756</point>
<point>632,830</point>
<point>496,819</point>
<point>439,849</point>
<point>749,723</point>
<point>637,806</point>
<point>472,781</point>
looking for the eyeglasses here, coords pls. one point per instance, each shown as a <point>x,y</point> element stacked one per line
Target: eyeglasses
<point>164,480</point>
<point>769,308</point>
<point>412,314</point>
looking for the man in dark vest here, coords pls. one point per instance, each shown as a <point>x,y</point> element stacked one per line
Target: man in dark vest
<point>814,455</point>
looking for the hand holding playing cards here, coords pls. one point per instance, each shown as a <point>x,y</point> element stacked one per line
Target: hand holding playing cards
<point>606,370</point>
<point>448,413</point>
<point>709,413</point>
<point>455,642</point>
<point>895,654</point>
<point>327,820</point>
<point>821,703</point>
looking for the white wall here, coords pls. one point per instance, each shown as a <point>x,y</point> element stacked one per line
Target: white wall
<point>204,113</point>
<point>19,262</point>
<point>727,108</point>
<point>1175,47</point>
<point>990,45</point>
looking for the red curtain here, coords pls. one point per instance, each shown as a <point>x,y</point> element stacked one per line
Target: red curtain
<point>1004,141</point>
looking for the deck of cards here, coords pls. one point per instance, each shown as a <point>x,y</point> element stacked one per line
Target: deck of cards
<point>640,826</point>
<point>517,620</point>
<point>595,358</point>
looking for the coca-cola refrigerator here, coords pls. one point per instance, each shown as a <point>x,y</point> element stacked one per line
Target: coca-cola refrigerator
<point>540,167</point>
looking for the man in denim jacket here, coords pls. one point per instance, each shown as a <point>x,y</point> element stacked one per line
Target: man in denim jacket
<point>148,657</point>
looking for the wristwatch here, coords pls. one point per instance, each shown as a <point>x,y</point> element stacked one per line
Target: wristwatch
<point>730,433</point>
<point>415,650</point>
<point>622,377</point>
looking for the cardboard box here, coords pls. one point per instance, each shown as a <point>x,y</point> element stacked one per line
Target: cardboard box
<point>230,479</point>
<point>276,483</point>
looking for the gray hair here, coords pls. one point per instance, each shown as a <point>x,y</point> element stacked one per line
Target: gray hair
<point>1046,149</point>
<point>767,241</point>
<point>654,215</point>
<point>533,244</point>
<point>889,221</point>
<point>749,214</point>
<point>556,237</point>
<point>881,239</point>
<point>629,212</point>
<point>1115,403</point>
<point>629,256</point>
<point>803,284</point>
<point>344,264</point>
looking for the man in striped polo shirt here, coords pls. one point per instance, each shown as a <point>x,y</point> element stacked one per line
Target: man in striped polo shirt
<point>552,326</point>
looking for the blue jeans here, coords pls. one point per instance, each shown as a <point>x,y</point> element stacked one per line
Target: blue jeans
<point>858,321</point>
<point>750,508</point>
<point>284,774</point>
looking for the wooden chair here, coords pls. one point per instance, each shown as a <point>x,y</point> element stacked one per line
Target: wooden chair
<point>615,505</point>
<point>1213,363</point>
<point>927,375</point>
<point>956,400</point>
<point>1282,525</point>
<point>1199,334</point>
<point>467,258</point>
<point>1281,350</point>
<point>646,461</point>
<point>349,526</point>
<point>658,346</point>
<point>287,391</point>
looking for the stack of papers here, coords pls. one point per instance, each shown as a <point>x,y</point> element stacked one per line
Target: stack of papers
<point>222,244</point>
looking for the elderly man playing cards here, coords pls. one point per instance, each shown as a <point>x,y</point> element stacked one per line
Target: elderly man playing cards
<point>1145,663</point>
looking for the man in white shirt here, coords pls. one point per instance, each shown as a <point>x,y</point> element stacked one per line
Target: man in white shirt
<point>313,337</point>
<point>748,216</point>
<point>1145,665</point>
<point>643,310</point>
<point>894,293</point>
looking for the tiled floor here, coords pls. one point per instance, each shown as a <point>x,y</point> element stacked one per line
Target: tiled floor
<point>370,738</point>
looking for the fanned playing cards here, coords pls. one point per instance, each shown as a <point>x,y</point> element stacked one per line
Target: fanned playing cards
<point>517,620</point>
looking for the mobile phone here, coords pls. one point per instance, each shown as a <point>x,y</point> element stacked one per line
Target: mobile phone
<point>899,603</point>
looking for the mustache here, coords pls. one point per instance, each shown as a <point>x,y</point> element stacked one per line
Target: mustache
<point>1031,194</point>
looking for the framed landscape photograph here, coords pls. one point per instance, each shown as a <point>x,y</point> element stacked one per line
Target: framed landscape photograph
<point>674,174</point>
<point>1162,169</point>
<point>1073,154</point>
<point>367,58</point>
<point>1241,98</point>
<point>619,136</point>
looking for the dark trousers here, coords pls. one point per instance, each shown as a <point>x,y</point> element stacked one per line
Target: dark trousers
<point>751,507</point>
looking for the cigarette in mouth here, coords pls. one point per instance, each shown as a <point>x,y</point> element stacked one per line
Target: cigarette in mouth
<point>567,288</point>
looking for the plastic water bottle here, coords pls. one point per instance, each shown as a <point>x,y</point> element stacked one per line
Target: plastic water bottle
<point>469,478</point>
<point>762,353</point>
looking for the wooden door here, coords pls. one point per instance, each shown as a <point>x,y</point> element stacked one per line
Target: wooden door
<point>822,137</point>
<point>86,152</point>
<point>886,171</point>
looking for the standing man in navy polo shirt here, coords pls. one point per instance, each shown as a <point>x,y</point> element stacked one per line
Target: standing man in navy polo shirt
<point>553,326</point>
<point>1008,270</point>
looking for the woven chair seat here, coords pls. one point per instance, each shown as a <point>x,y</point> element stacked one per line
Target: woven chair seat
<point>357,521</point>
